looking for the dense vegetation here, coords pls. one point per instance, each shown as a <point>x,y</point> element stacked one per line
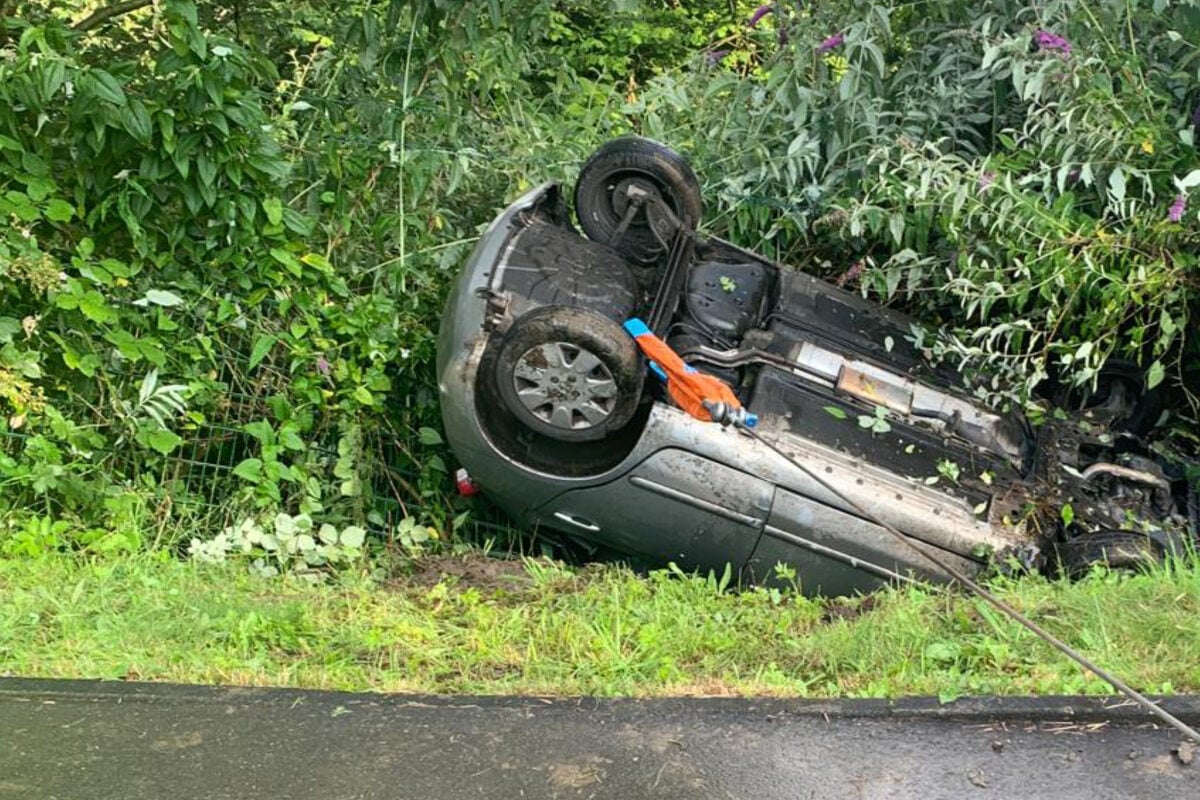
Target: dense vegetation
<point>231,224</point>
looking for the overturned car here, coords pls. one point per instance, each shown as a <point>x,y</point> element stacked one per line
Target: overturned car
<point>552,409</point>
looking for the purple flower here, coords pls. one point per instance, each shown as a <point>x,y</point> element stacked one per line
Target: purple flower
<point>322,365</point>
<point>1177,208</point>
<point>1196,115</point>
<point>986,179</point>
<point>759,13</point>
<point>714,57</point>
<point>1051,42</point>
<point>832,42</point>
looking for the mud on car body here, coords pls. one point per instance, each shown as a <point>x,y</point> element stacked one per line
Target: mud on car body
<point>548,404</point>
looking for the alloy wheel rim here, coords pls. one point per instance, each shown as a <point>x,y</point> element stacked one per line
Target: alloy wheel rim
<point>565,385</point>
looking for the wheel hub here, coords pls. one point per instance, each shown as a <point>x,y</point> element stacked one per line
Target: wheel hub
<point>620,194</point>
<point>565,385</point>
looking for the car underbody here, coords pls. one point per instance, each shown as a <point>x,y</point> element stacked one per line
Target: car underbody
<point>551,409</point>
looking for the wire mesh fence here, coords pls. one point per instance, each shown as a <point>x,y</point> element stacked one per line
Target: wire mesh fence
<point>197,481</point>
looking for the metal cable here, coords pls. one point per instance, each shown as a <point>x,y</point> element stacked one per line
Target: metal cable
<point>1002,606</point>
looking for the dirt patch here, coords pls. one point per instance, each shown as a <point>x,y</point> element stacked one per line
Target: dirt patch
<point>849,610</point>
<point>480,572</point>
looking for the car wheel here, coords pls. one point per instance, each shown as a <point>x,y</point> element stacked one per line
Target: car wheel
<point>569,373</point>
<point>601,199</point>
<point>1120,398</point>
<point>1119,550</point>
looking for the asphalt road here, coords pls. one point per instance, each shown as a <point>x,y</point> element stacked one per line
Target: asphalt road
<point>66,740</point>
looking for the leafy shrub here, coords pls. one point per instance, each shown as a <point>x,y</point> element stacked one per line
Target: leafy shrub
<point>292,544</point>
<point>1021,174</point>
<point>226,257</point>
<point>147,210</point>
<point>232,227</point>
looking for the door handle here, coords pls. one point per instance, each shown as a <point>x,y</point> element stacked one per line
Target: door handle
<point>579,522</point>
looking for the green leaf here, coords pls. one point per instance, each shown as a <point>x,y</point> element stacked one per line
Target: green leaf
<point>363,395</point>
<point>96,308</point>
<point>271,165</point>
<point>209,193</point>
<point>1189,180</point>
<point>261,430</point>
<point>296,222</point>
<point>289,261</point>
<point>1155,375</point>
<point>39,188</point>
<point>125,343</point>
<point>106,87</point>
<point>429,436</point>
<point>835,412</point>
<point>353,536</point>
<point>18,203</point>
<point>284,525</point>
<point>249,470</point>
<point>262,346</point>
<point>273,206</point>
<point>166,126</point>
<point>1116,184</point>
<point>163,440</point>
<point>1068,514</point>
<point>59,211</point>
<point>182,164</point>
<point>9,327</point>
<point>896,228</point>
<point>942,651</point>
<point>161,297</point>
<point>317,261</point>
<point>893,281</point>
<point>136,121</point>
<point>289,438</point>
<point>206,169</point>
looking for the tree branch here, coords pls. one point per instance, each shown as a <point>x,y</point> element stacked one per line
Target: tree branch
<point>102,15</point>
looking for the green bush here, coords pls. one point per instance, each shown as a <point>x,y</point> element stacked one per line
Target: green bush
<point>153,238</point>
<point>231,228</point>
<point>221,291</point>
<point>1019,174</point>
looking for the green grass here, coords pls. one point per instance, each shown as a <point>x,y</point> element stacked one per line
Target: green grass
<point>548,630</point>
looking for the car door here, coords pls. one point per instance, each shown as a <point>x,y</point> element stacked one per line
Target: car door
<point>837,553</point>
<point>674,506</point>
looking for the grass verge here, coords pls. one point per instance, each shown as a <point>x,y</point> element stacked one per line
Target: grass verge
<point>538,628</point>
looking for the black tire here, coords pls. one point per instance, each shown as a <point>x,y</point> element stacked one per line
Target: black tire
<point>600,206</point>
<point>1120,395</point>
<point>569,373</point>
<point>1119,550</point>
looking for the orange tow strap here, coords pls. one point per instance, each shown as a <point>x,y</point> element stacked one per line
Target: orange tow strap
<point>690,389</point>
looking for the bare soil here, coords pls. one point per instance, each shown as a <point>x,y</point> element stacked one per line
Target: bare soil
<point>482,572</point>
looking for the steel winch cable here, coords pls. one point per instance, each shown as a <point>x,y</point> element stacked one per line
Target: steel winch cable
<point>980,591</point>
